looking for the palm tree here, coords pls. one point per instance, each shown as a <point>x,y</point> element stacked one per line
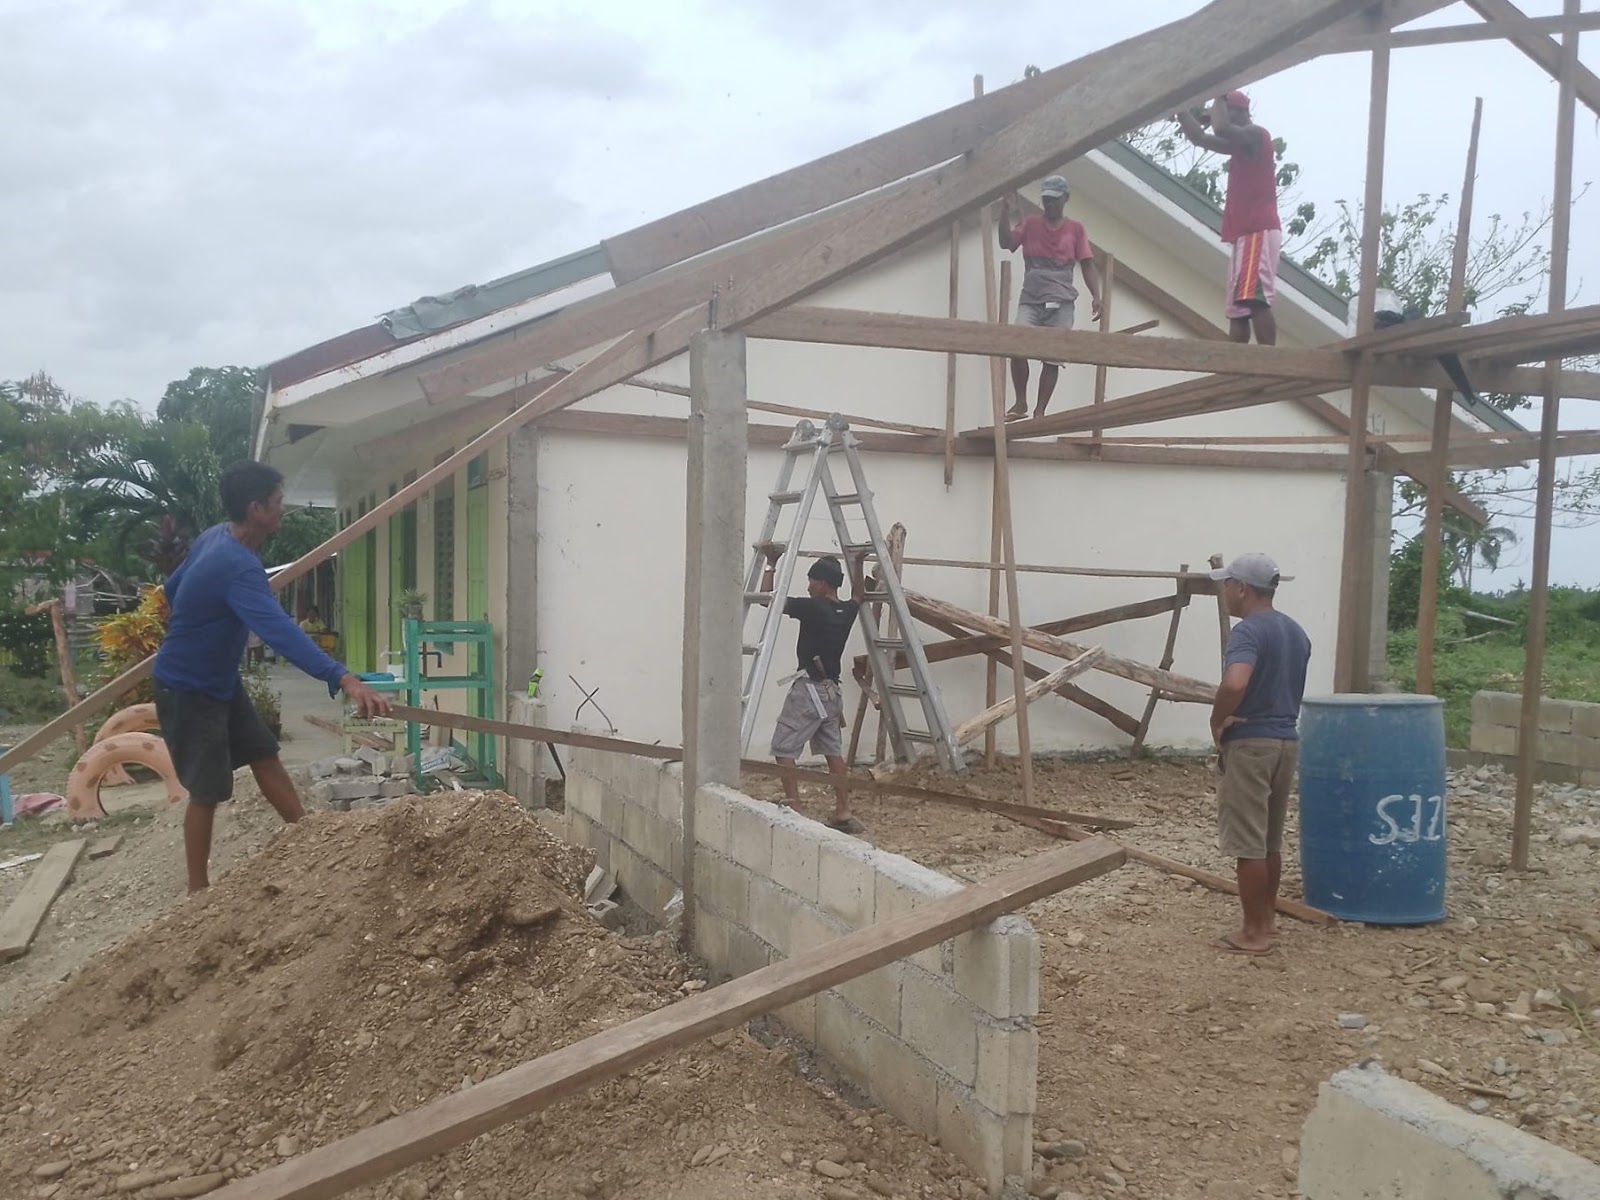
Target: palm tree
<point>152,488</point>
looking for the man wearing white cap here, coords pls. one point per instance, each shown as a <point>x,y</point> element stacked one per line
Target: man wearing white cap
<point>1253,723</point>
<point>1250,222</point>
<point>1051,245</point>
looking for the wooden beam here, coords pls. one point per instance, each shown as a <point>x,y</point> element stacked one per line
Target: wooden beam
<point>1483,31</point>
<point>473,414</point>
<point>897,557</point>
<point>994,301</point>
<point>1224,621</point>
<point>882,160</point>
<point>26,913</point>
<point>21,751</point>
<point>1179,603</point>
<point>950,359</point>
<point>990,717</point>
<point>1008,554</point>
<point>1493,455</point>
<point>1108,276</point>
<point>967,644</point>
<point>1549,424</point>
<point>1067,691</point>
<point>1542,50</point>
<point>1217,883</point>
<point>69,678</point>
<point>897,331</point>
<point>456,1119</point>
<point>1178,686</point>
<point>630,425</point>
<point>747,766</point>
<point>1349,663</point>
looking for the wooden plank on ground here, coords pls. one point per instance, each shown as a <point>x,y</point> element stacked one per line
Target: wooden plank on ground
<point>412,1137</point>
<point>101,847</point>
<point>27,912</point>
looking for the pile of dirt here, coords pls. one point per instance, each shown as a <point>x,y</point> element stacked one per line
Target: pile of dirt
<point>364,964</point>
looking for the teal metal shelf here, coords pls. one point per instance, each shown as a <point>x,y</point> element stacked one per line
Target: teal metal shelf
<point>478,638</point>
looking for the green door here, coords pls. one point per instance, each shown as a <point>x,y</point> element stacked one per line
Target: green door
<point>355,587</point>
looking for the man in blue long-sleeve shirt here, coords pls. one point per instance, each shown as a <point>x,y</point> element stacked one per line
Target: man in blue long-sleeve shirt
<point>219,595</point>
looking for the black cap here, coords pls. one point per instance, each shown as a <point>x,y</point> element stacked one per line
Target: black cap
<point>828,570</point>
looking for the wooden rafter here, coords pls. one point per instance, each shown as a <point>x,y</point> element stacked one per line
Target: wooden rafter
<point>1542,50</point>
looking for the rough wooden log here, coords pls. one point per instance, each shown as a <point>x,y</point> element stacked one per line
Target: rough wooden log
<point>989,717</point>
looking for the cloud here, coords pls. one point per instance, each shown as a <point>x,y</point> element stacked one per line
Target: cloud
<point>208,184</point>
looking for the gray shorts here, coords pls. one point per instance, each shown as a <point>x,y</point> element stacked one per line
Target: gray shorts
<point>812,712</point>
<point>1040,317</point>
<point>209,740</point>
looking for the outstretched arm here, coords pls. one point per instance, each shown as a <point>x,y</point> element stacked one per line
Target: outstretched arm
<point>252,601</point>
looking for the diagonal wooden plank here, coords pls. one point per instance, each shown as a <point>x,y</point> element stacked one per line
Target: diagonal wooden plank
<point>27,912</point>
<point>1542,49</point>
<point>365,1157</point>
<point>888,157</point>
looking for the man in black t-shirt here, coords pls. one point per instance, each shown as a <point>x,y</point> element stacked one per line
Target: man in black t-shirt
<point>813,711</point>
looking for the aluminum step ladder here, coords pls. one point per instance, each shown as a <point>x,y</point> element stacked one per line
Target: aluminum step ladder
<point>910,725</point>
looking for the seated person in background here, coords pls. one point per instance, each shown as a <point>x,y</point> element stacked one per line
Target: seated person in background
<point>312,621</point>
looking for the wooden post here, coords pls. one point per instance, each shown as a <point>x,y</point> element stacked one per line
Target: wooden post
<point>1008,547</point>
<point>1166,662</point>
<point>1549,421</point>
<point>69,677</point>
<point>1107,275</point>
<point>991,304</point>
<point>1224,622</point>
<point>950,359</point>
<point>1443,410</point>
<point>897,554</point>
<point>1349,664</point>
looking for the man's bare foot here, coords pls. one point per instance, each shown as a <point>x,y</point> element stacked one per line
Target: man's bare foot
<point>1238,943</point>
<point>1037,413</point>
<point>847,824</point>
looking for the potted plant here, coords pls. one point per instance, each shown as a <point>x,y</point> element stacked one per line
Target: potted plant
<point>410,603</point>
<point>267,701</point>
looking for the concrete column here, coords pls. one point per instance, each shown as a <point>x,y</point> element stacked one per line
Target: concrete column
<point>714,567</point>
<point>522,559</point>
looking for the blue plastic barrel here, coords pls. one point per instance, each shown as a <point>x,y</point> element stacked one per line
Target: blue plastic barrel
<point>1372,807</point>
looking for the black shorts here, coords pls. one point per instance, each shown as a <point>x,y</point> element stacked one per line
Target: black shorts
<point>209,739</point>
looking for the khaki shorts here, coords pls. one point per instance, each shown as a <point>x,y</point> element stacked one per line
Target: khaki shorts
<point>1254,778</point>
<point>812,712</point>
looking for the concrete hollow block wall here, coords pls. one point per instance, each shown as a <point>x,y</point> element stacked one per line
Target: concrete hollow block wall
<point>1374,1137</point>
<point>1569,735</point>
<point>945,1040</point>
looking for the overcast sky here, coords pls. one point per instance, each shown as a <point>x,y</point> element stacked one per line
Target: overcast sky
<point>204,183</point>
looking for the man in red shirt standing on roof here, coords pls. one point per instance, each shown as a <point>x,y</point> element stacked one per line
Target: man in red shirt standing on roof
<point>1250,218</point>
<point>1051,245</point>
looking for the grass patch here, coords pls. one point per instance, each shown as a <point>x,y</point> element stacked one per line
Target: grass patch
<point>29,700</point>
<point>26,835</point>
<point>1571,671</point>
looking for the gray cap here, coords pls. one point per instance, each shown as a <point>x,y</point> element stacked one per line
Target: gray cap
<point>1257,570</point>
<point>1055,185</point>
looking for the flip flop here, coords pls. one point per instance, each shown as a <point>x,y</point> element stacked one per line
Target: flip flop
<point>848,825</point>
<point>1227,945</point>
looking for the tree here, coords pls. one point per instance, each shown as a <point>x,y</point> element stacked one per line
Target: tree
<point>43,431</point>
<point>166,469</point>
<point>223,399</point>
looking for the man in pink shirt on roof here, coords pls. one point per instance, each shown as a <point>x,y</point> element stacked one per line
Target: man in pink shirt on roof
<point>1051,246</point>
<point>1250,218</point>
